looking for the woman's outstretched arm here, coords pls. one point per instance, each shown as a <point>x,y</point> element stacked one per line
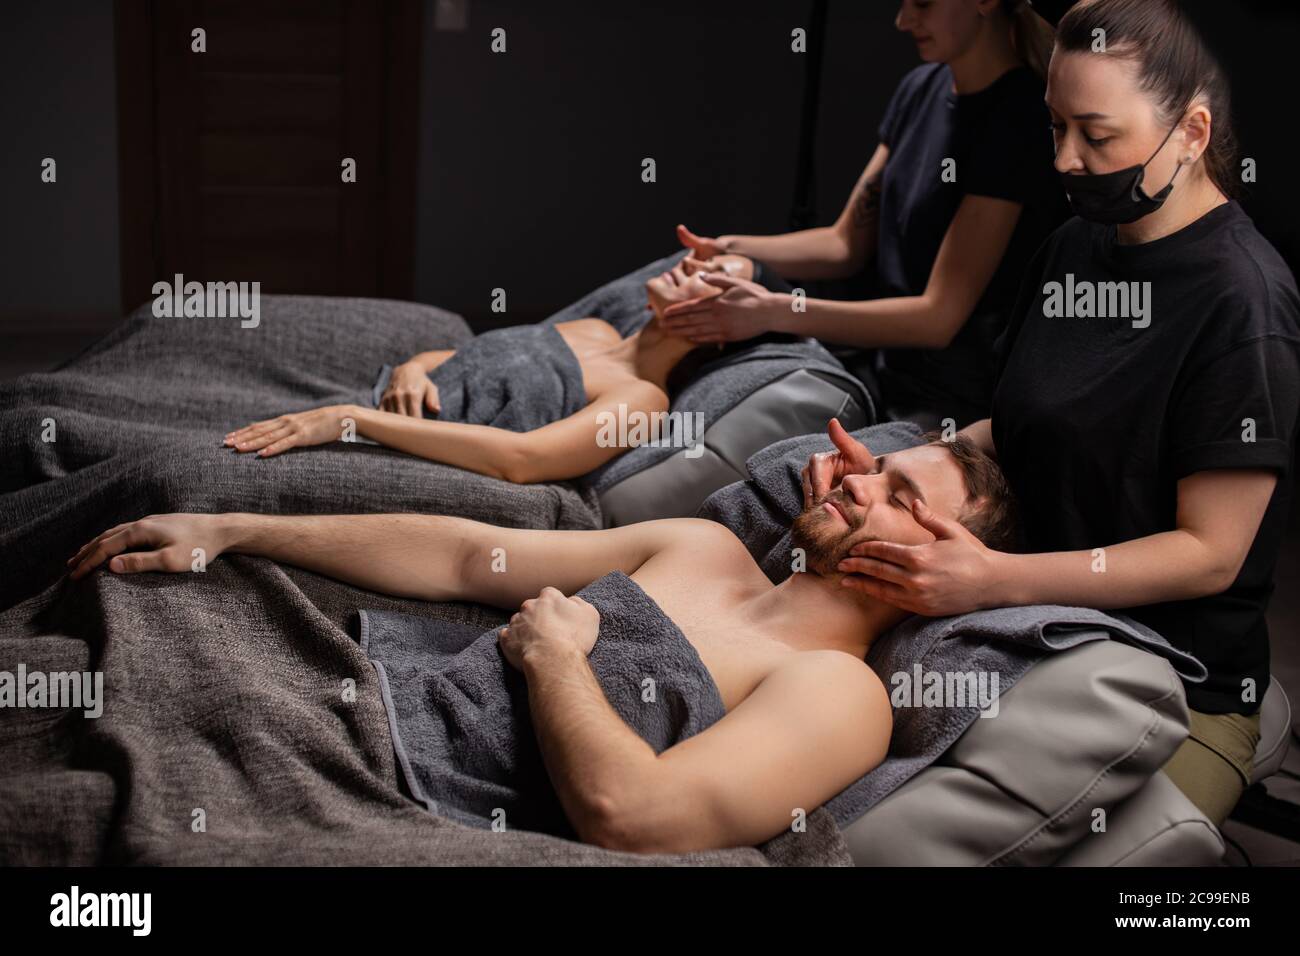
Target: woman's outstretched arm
<point>568,448</point>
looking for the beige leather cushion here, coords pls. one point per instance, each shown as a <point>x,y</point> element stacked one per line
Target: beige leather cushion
<point>1157,826</point>
<point>1082,731</point>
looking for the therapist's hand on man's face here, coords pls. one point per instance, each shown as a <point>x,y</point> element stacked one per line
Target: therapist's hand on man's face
<point>954,574</point>
<point>827,469</point>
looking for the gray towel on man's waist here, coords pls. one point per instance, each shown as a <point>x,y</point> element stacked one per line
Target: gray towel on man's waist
<point>1002,641</point>
<point>459,712</point>
<point>519,378</point>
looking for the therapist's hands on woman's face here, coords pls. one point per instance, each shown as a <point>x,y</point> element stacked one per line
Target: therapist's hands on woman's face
<point>728,264</point>
<point>743,310</point>
<point>953,574</point>
<point>701,247</point>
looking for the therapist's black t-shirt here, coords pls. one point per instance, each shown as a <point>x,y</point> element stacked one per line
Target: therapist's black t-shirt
<point>1095,420</point>
<point>1000,144</point>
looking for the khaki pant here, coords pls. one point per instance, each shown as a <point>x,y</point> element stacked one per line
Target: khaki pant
<point>1214,763</point>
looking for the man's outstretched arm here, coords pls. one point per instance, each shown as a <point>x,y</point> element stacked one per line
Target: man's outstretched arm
<point>430,557</point>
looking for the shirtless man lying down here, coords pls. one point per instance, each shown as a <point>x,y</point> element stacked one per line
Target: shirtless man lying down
<point>805,716</point>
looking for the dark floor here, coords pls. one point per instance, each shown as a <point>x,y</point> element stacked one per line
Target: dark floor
<point>32,352</point>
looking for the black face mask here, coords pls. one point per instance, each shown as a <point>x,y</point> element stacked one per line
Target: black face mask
<point>1116,198</point>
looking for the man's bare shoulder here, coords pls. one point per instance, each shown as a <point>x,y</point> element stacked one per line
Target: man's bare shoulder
<point>696,556</point>
<point>838,681</point>
<point>708,540</point>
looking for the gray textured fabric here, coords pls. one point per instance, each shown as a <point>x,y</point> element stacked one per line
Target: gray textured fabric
<point>139,419</point>
<point>1002,641</point>
<point>241,694</point>
<point>715,388</point>
<point>520,378</point>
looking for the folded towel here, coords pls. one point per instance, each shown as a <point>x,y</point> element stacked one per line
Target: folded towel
<point>1001,641</point>
<point>519,378</point>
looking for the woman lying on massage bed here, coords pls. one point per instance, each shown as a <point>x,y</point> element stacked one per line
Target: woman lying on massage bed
<point>528,403</point>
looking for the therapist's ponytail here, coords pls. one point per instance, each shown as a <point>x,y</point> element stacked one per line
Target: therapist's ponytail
<point>1174,65</point>
<point>1032,35</point>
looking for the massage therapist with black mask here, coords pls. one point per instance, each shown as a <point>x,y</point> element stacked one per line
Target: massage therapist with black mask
<point>1149,442</point>
<point>952,205</point>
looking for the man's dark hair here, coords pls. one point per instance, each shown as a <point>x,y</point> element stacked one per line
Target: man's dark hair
<point>990,511</point>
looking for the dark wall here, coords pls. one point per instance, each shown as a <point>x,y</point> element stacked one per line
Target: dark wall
<point>58,241</point>
<point>530,161</point>
<point>1257,41</point>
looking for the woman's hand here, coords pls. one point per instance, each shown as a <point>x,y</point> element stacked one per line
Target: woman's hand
<point>547,623</point>
<point>315,427</point>
<point>745,309</point>
<point>700,246</point>
<point>953,574</point>
<point>159,542</point>
<point>826,469</point>
<point>410,391</point>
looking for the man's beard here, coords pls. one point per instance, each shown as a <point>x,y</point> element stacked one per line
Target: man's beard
<point>823,538</point>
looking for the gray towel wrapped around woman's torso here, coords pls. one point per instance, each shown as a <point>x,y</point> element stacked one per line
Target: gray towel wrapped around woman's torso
<point>519,378</point>
<point>459,712</point>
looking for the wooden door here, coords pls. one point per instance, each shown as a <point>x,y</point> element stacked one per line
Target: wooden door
<point>232,158</point>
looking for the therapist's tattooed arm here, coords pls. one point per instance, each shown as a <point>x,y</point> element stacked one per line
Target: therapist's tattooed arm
<point>866,200</point>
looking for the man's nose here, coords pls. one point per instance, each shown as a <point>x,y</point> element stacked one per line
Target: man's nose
<point>858,489</point>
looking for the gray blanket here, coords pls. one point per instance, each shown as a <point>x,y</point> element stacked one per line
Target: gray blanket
<point>134,426</point>
<point>242,724</point>
<point>1004,642</point>
<point>520,378</point>
<point>715,388</point>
